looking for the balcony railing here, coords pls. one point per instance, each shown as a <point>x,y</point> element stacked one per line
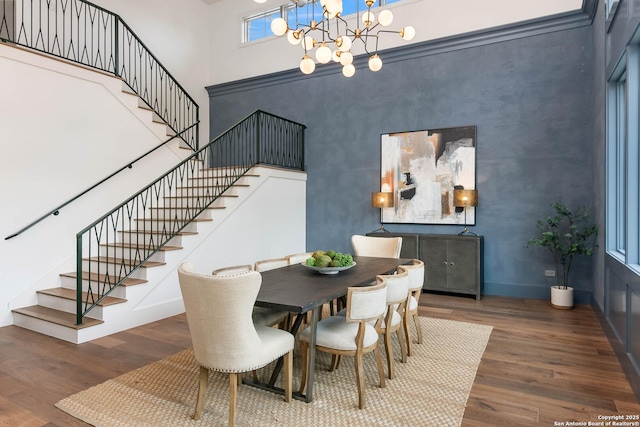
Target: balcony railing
<point>84,33</point>
<point>111,249</point>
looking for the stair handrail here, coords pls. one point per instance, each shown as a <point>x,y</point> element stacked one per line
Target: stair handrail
<point>113,48</point>
<point>56,211</point>
<point>260,138</point>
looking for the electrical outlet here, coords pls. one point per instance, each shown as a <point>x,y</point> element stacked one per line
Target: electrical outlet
<point>550,273</point>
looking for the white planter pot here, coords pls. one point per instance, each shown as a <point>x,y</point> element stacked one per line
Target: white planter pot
<point>562,298</point>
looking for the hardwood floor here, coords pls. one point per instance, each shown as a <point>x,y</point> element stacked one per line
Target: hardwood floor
<point>541,365</point>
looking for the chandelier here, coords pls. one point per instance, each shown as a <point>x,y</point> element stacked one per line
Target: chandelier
<point>332,38</point>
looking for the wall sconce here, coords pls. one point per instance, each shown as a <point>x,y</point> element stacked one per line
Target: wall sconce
<point>381,200</point>
<point>465,199</point>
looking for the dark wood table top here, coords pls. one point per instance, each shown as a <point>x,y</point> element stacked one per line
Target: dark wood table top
<point>298,289</point>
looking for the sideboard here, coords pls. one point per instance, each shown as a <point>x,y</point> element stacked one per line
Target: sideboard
<point>453,263</point>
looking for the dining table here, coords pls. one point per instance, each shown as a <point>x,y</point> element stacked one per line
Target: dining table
<point>300,290</point>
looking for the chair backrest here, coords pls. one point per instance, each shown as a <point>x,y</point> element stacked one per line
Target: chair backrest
<point>397,287</point>
<point>416,274</point>
<point>366,302</point>
<point>219,313</point>
<point>230,271</point>
<point>298,258</point>
<point>384,247</point>
<point>270,264</point>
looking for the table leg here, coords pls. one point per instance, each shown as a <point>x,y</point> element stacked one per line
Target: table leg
<point>311,359</point>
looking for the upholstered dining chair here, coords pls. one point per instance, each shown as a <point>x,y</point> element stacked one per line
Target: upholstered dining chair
<point>351,335</point>
<point>415,270</point>
<point>384,247</point>
<point>298,258</point>
<point>397,295</point>
<point>224,337</point>
<point>260,315</point>
<point>270,264</point>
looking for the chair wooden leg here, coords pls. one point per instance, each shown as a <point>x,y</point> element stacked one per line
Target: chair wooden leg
<point>288,377</point>
<point>403,346</point>
<point>233,394</point>
<point>202,391</point>
<point>389,351</point>
<point>378,356</point>
<point>303,361</point>
<point>360,379</point>
<point>416,320</point>
<point>406,326</point>
<point>335,362</point>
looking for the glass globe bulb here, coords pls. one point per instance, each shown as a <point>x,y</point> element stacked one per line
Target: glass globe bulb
<point>308,42</point>
<point>375,63</point>
<point>348,70</point>
<point>294,37</point>
<point>334,7</point>
<point>344,43</point>
<point>385,18</point>
<point>307,65</point>
<point>346,58</point>
<point>408,33</point>
<point>335,56</point>
<point>323,53</point>
<point>279,27</point>
<point>368,18</point>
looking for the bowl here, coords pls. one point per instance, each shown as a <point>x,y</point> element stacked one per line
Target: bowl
<point>328,270</point>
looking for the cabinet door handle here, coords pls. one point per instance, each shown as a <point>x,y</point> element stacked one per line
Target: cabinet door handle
<point>444,263</point>
<point>451,264</point>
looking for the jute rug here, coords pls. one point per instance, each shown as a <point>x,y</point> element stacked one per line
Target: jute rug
<point>431,389</point>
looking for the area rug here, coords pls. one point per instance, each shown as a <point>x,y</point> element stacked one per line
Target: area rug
<point>431,389</point>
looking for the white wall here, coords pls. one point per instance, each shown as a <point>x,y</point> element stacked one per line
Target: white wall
<point>177,33</point>
<point>231,60</point>
<point>64,128</point>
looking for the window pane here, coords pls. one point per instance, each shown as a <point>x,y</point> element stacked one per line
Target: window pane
<point>259,26</point>
<point>621,168</point>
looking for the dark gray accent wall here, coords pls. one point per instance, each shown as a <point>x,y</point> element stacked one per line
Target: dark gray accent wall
<point>527,88</point>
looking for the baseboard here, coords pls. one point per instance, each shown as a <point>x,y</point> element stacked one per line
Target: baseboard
<point>580,296</point>
<point>623,357</point>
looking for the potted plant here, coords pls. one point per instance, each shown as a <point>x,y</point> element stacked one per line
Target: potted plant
<point>565,235</point>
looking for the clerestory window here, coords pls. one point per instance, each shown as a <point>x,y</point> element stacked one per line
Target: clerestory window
<point>258,26</point>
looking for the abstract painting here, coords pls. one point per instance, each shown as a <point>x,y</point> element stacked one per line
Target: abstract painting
<point>421,169</point>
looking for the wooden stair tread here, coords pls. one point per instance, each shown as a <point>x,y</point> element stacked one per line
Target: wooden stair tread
<point>101,278</point>
<point>70,294</point>
<point>122,261</point>
<point>56,316</point>
<point>155,232</point>
<point>171,219</point>
<point>137,246</point>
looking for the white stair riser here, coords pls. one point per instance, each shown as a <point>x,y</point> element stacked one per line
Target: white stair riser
<point>168,224</point>
<point>67,305</point>
<point>172,213</point>
<point>112,269</point>
<point>125,252</point>
<point>204,191</point>
<point>175,202</point>
<point>70,283</point>
<point>46,328</point>
<point>141,238</point>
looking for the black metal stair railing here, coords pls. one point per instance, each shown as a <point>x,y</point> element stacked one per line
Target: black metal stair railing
<point>84,33</point>
<point>112,248</point>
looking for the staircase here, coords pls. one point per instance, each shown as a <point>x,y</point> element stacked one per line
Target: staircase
<point>126,260</point>
<point>55,311</point>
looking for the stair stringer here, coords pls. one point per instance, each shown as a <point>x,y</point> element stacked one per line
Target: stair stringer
<point>265,220</point>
